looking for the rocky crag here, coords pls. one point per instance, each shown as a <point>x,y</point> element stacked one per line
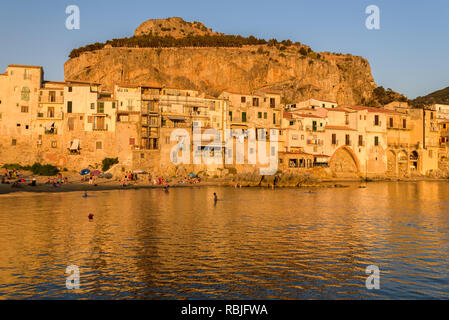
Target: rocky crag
<point>293,68</point>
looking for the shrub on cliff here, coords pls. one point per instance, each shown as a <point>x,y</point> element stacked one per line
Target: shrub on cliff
<point>108,163</point>
<point>155,41</point>
<point>44,169</point>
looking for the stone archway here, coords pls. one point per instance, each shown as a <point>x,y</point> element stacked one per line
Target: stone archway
<point>403,165</point>
<point>391,164</point>
<point>344,162</point>
<point>414,161</point>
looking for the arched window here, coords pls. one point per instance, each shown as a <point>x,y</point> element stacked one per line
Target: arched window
<point>26,94</point>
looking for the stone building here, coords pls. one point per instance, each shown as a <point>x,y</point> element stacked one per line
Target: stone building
<point>422,154</point>
<point>252,117</point>
<point>19,98</point>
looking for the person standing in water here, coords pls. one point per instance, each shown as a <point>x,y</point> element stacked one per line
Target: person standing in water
<point>215,198</point>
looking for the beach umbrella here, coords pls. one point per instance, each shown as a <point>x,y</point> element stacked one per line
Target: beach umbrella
<point>96,173</point>
<point>192,175</point>
<point>84,172</point>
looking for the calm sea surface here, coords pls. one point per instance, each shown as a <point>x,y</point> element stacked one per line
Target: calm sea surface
<point>254,244</point>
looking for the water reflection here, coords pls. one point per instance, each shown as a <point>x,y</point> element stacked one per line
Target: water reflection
<point>253,244</point>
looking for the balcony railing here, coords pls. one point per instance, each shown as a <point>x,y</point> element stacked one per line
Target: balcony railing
<point>48,99</point>
<point>50,116</point>
<point>51,131</point>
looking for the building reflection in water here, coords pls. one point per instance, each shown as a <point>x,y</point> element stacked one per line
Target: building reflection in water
<point>254,244</point>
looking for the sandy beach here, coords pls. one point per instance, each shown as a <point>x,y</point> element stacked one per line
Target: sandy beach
<point>75,184</point>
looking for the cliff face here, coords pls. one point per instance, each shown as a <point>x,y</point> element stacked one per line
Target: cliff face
<point>344,78</point>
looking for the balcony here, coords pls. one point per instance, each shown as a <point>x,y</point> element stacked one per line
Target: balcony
<point>49,99</point>
<point>315,142</point>
<point>150,109</point>
<point>199,114</point>
<point>151,97</point>
<point>52,131</point>
<point>50,116</point>
<point>100,128</point>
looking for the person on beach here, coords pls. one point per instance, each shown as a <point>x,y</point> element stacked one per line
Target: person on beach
<point>33,182</point>
<point>215,198</point>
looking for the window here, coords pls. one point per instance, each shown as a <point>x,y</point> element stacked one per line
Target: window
<point>52,96</point>
<point>69,106</point>
<point>92,106</point>
<point>430,153</point>
<point>259,115</point>
<point>265,115</point>
<point>26,75</point>
<point>24,109</point>
<point>334,139</point>
<point>431,116</point>
<point>376,120</point>
<point>360,141</point>
<point>26,94</point>
<point>230,115</point>
<point>113,105</point>
<point>404,123</point>
<point>243,99</point>
<point>70,89</point>
<point>292,123</point>
<point>100,107</point>
<point>90,119</point>
<point>274,118</point>
<point>376,141</point>
<point>50,112</point>
<point>71,123</point>
<point>243,116</point>
<point>255,102</point>
<point>54,144</point>
<point>99,145</point>
<point>272,102</point>
<point>391,122</point>
<point>14,142</point>
<point>132,141</point>
<point>99,123</point>
<point>347,140</point>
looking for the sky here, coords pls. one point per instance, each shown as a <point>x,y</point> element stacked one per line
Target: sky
<point>409,53</point>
